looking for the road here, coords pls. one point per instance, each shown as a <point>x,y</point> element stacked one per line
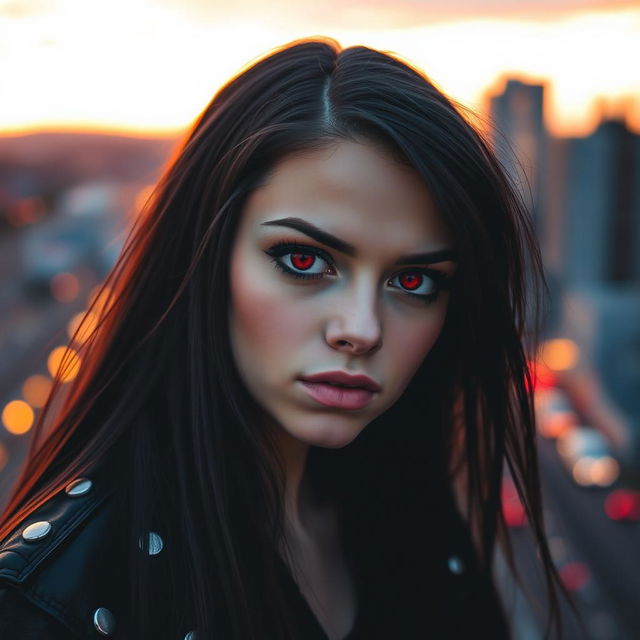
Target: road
<point>602,554</point>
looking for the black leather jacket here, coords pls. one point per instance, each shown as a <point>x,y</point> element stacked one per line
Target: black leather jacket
<point>59,580</point>
<point>62,577</point>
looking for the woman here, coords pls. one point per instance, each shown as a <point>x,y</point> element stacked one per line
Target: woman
<point>294,415</point>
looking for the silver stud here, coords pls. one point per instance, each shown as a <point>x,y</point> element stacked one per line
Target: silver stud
<point>154,543</point>
<point>103,621</point>
<point>36,531</point>
<point>456,566</point>
<point>191,635</point>
<point>78,487</point>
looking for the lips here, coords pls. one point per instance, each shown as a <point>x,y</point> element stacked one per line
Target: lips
<point>337,397</point>
<point>345,380</point>
<point>340,390</point>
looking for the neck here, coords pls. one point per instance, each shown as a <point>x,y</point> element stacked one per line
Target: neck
<point>294,455</point>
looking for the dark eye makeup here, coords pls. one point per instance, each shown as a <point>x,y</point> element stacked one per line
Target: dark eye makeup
<point>292,252</point>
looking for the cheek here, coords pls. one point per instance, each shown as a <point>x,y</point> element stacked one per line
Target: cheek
<point>262,318</point>
<point>409,345</point>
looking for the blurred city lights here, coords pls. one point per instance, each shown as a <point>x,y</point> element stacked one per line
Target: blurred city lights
<point>575,575</point>
<point>513,510</point>
<point>26,211</point>
<point>99,296</point>
<point>586,454</point>
<point>604,471</point>
<point>623,504</point>
<point>581,471</point>
<point>65,287</point>
<point>543,378</point>
<point>557,424</point>
<point>17,417</point>
<point>36,389</point>
<point>554,416</point>
<point>559,354</point>
<point>86,321</point>
<point>63,363</point>
<point>601,472</point>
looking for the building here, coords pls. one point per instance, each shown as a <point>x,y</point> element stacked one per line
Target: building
<point>600,230</point>
<point>584,195</point>
<point>520,140</point>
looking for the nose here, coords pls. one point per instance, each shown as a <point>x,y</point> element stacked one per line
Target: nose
<point>355,326</point>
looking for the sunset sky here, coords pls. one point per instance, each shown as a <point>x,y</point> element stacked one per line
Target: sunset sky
<point>150,66</point>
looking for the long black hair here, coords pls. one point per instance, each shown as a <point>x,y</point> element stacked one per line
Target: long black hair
<point>158,399</point>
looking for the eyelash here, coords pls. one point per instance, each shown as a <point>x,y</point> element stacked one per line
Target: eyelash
<point>441,279</point>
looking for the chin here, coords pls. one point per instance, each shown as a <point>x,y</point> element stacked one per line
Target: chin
<point>328,436</point>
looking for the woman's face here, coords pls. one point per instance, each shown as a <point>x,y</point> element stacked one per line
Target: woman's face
<point>331,272</point>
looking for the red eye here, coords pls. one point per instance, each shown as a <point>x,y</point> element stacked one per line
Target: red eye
<point>411,280</point>
<point>302,260</point>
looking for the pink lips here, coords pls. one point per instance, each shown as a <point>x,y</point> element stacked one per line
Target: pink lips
<point>354,392</point>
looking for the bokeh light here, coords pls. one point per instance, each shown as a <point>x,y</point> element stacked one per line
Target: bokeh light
<point>542,377</point>
<point>596,472</point>
<point>559,354</point>
<point>26,211</point>
<point>99,298</point>
<point>575,575</point>
<point>513,510</point>
<point>623,504</point>
<point>86,321</point>
<point>555,417</point>
<point>17,417</point>
<point>581,471</point>
<point>36,389</point>
<point>557,424</point>
<point>604,471</point>
<point>65,287</point>
<point>63,363</point>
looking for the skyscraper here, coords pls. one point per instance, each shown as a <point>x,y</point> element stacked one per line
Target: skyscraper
<point>520,139</point>
<point>601,204</point>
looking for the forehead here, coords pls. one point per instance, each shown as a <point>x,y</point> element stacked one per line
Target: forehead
<point>355,191</point>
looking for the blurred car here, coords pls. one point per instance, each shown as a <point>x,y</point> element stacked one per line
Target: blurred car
<point>82,231</point>
<point>586,454</point>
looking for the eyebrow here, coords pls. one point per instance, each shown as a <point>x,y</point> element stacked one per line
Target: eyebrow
<point>440,255</point>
